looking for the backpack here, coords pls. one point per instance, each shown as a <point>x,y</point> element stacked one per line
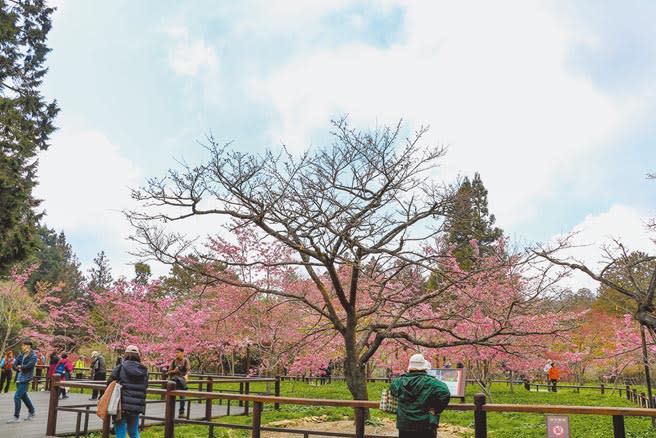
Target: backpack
<point>61,369</point>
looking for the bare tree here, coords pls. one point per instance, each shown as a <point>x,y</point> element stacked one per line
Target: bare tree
<point>352,214</point>
<point>633,285</point>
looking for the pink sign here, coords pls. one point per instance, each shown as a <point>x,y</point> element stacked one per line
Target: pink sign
<point>557,426</point>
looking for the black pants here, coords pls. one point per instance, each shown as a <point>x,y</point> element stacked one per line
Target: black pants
<point>97,393</point>
<point>553,385</point>
<point>431,433</point>
<point>5,377</point>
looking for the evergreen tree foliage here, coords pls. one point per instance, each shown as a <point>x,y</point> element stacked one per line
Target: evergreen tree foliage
<point>100,274</point>
<point>470,219</point>
<point>141,272</point>
<point>26,123</point>
<point>58,265</point>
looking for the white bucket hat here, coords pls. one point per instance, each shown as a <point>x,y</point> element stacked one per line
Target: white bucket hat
<point>417,362</point>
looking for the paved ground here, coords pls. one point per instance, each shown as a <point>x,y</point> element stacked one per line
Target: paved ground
<point>66,421</point>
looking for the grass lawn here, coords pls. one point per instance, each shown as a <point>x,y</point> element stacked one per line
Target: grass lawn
<point>500,425</point>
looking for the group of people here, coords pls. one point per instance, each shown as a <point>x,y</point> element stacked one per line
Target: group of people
<point>129,372</point>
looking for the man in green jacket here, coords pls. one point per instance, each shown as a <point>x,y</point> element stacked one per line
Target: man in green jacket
<point>422,398</point>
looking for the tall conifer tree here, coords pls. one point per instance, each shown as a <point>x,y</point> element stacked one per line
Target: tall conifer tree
<point>469,220</point>
<point>26,123</point>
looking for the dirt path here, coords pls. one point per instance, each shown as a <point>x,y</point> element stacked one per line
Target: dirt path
<point>386,427</point>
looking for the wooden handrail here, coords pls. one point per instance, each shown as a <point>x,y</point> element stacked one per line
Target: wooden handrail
<point>373,404</point>
<point>480,408</point>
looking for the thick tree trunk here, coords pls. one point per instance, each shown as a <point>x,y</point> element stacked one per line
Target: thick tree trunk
<point>355,373</point>
<point>356,378</point>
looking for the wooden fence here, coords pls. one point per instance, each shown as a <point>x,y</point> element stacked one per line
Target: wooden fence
<point>479,409</point>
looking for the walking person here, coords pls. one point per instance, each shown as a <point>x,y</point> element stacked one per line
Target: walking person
<point>133,377</point>
<point>421,398</point>
<point>24,366</point>
<point>554,377</point>
<point>98,372</point>
<point>179,372</point>
<point>7,365</point>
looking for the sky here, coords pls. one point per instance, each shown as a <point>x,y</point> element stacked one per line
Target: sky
<point>552,102</point>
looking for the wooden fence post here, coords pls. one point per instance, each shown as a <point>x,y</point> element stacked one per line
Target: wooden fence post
<point>247,390</point>
<point>208,402</point>
<point>480,416</point>
<point>51,427</point>
<point>628,392</point>
<point>601,387</point>
<point>618,427</point>
<point>106,426</point>
<point>257,419</point>
<point>169,410</point>
<point>359,422</point>
<point>276,406</point>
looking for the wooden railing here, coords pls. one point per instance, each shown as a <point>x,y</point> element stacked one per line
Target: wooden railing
<point>479,408</point>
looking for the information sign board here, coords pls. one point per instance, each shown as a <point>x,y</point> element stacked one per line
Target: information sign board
<point>454,378</point>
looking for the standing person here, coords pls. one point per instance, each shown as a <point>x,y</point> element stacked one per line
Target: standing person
<point>24,366</point>
<point>79,367</point>
<point>7,365</point>
<point>554,377</point>
<point>179,372</point>
<point>546,369</point>
<point>64,368</point>
<point>422,398</point>
<point>40,364</point>
<point>53,360</point>
<point>98,372</point>
<point>133,377</point>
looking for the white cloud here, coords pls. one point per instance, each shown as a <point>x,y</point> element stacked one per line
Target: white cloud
<point>189,58</point>
<point>84,181</point>
<point>493,84</point>
<point>622,223</point>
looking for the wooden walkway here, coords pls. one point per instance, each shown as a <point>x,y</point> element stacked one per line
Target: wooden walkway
<point>66,421</point>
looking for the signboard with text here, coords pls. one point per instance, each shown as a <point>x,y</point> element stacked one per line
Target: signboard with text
<point>454,378</point>
<point>557,426</point>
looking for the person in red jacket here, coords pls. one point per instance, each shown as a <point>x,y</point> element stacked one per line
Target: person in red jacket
<point>64,369</point>
<point>554,377</point>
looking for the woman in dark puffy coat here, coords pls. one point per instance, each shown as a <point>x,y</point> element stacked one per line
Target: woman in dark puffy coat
<point>133,377</point>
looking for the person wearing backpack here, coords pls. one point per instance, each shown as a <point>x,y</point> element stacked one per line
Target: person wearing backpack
<point>24,366</point>
<point>179,372</point>
<point>133,377</point>
<point>7,364</point>
<point>64,368</point>
<point>421,400</point>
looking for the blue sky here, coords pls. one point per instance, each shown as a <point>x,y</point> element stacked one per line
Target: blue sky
<point>552,103</point>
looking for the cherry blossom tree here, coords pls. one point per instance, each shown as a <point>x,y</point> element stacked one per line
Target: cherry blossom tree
<point>355,223</point>
<point>16,306</point>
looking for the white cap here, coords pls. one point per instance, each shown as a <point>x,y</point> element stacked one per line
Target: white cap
<point>417,362</point>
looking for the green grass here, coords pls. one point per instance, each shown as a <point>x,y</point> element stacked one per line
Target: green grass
<point>514,425</point>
